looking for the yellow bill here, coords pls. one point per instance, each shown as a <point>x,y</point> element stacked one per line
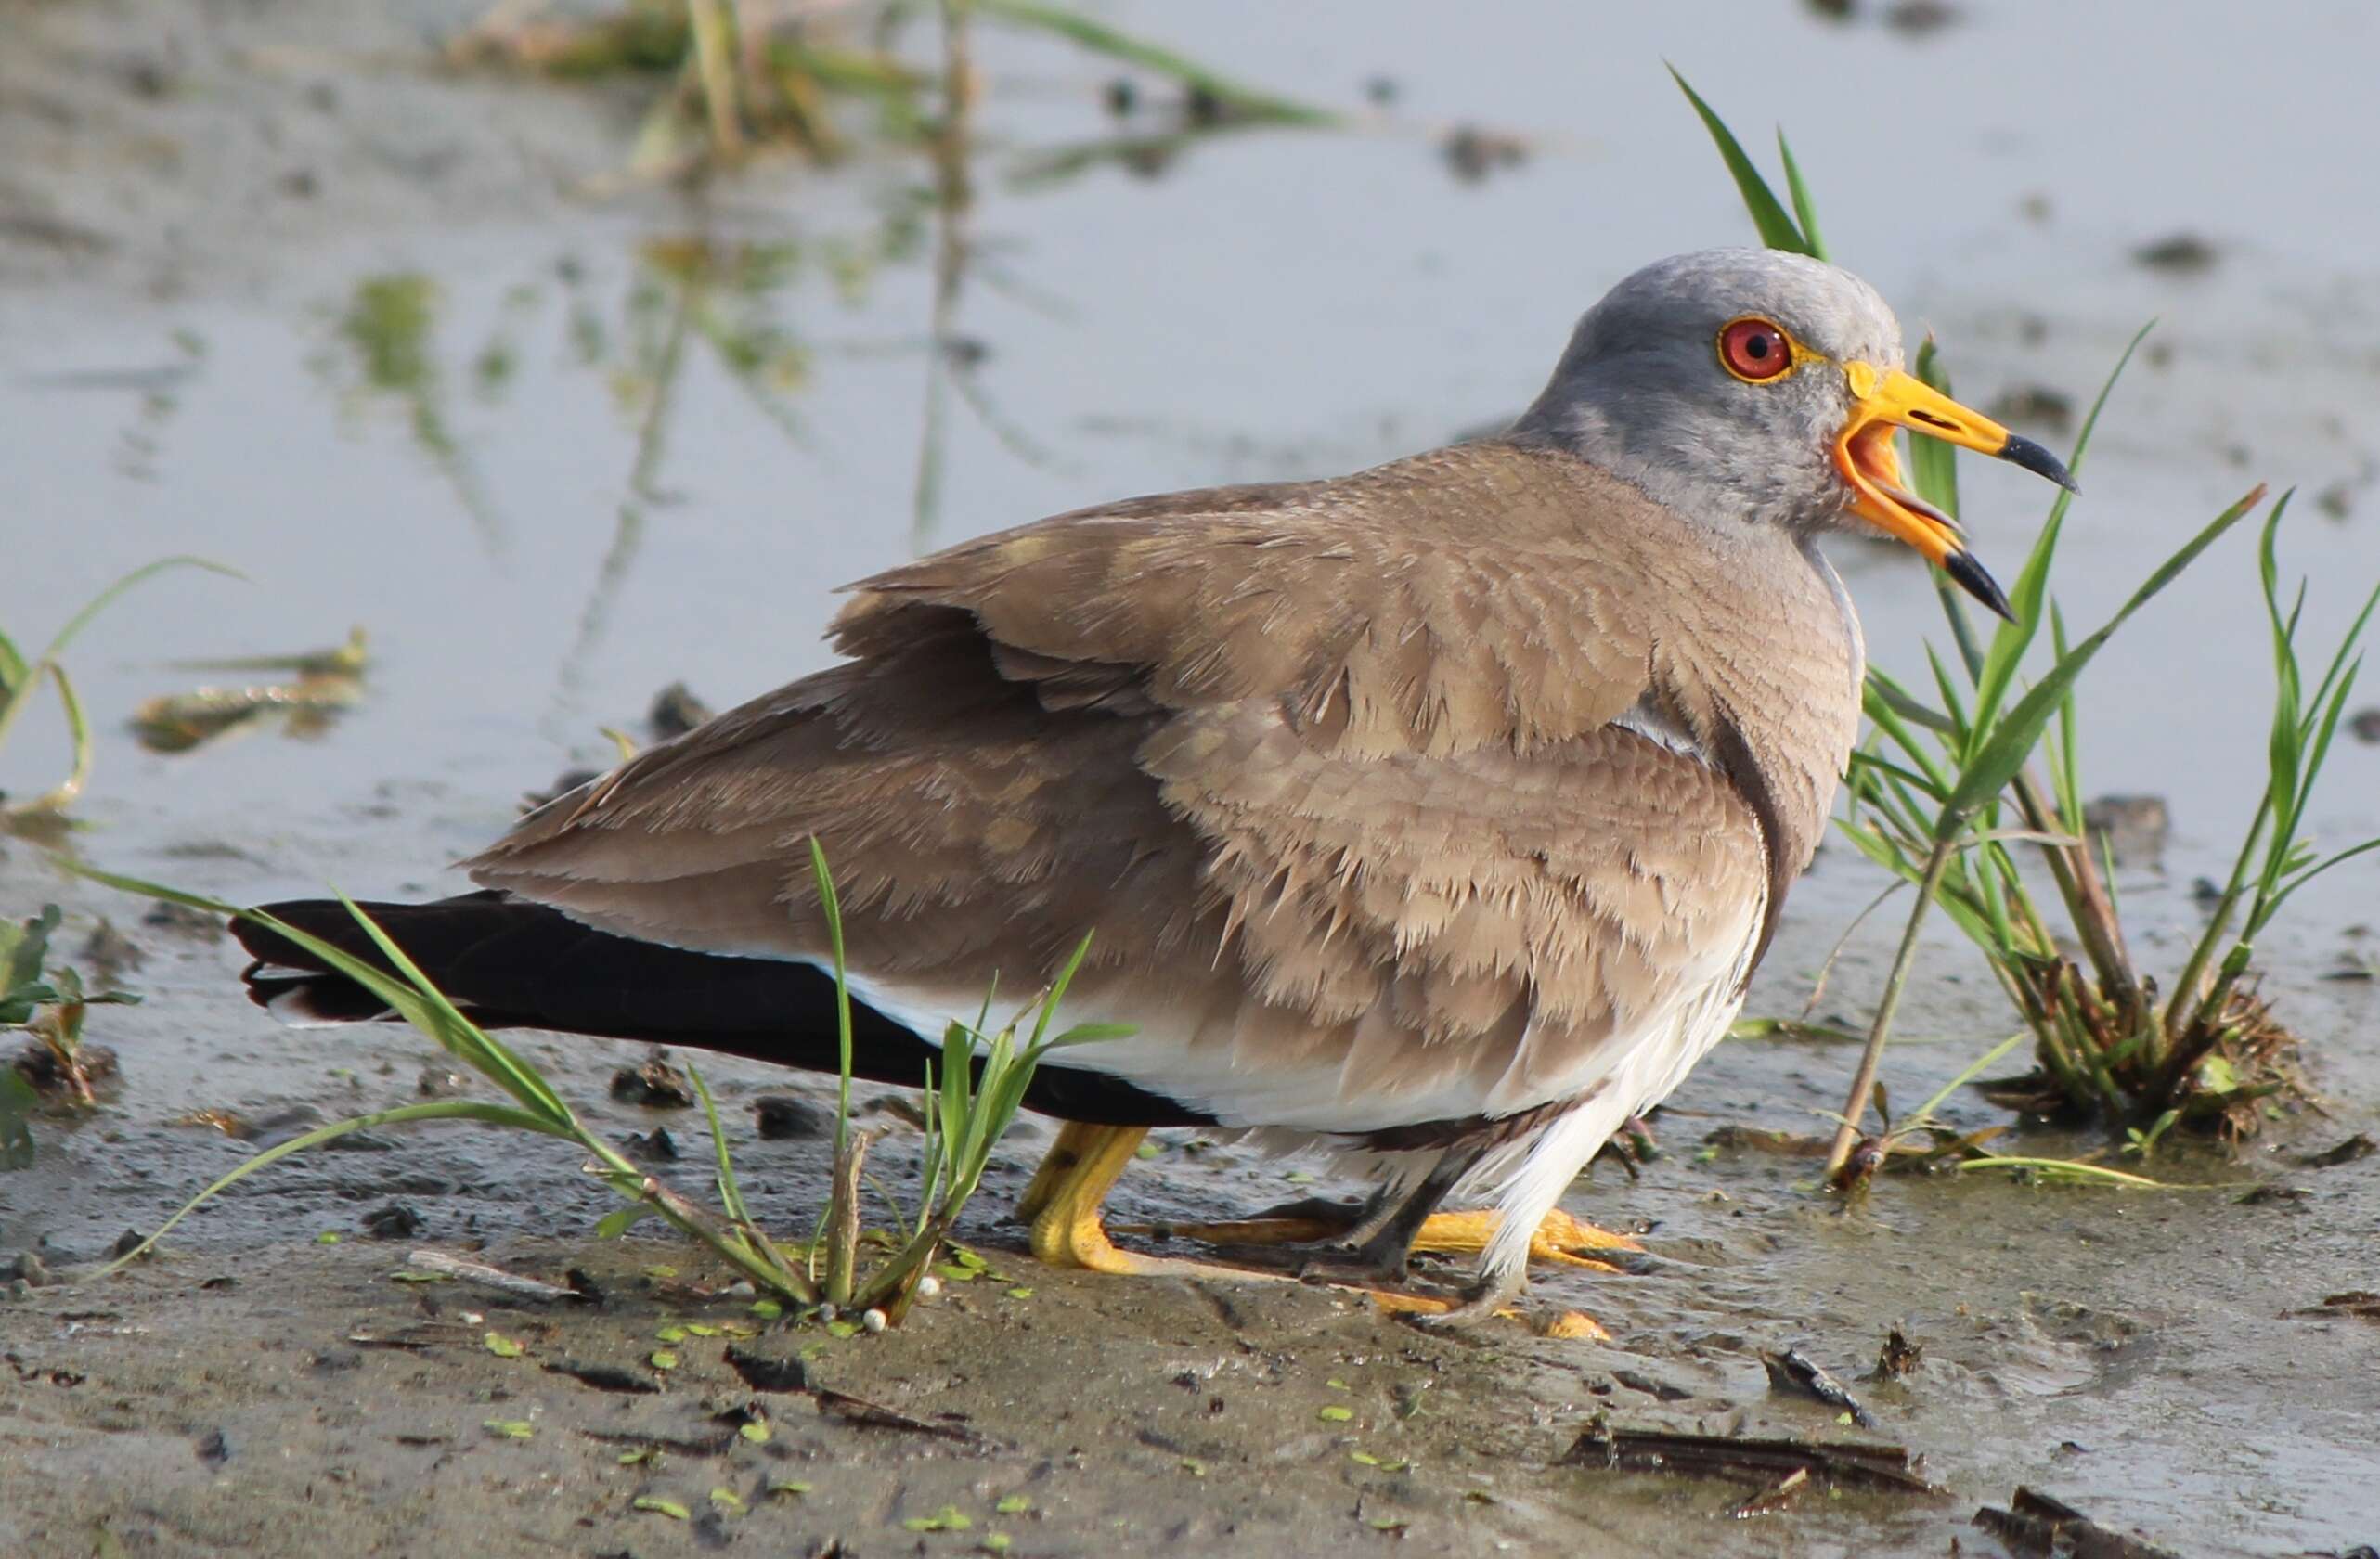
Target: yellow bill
<point>1885,399</point>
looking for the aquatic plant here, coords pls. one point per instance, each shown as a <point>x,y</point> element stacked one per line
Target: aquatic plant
<point>984,1072</point>
<point>743,80</point>
<point>21,681</point>
<point>46,998</point>
<point>1947,794</point>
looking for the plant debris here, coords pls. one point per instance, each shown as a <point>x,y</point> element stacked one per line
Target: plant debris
<point>2358,1146</point>
<point>480,1272</point>
<point>1898,1356</point>
<point>656,1084</point>
<point>1796,1374</point>
<point>2037,1525</point>
<point>1765,1461</point>
<point>2361,1304</point>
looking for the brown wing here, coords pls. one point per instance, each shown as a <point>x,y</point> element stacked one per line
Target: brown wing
<point>1330,767</point>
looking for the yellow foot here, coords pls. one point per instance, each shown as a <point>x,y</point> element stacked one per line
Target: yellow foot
<point>1063,1202</point>
<point>1568,1323</point>
<point>1560,1239</point>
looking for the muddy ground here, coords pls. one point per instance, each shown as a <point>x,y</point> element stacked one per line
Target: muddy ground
<point>197,207</point>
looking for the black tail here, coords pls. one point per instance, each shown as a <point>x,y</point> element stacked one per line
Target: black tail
<point>512,964</point>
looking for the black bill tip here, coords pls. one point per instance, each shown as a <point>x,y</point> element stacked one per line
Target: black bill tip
<point>2023,451</point>
<point>1971,578</point>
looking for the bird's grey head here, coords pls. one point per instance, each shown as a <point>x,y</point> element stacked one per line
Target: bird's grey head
<point>1751,386</point>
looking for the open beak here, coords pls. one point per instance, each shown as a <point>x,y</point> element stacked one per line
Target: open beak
<point>1885,399</point>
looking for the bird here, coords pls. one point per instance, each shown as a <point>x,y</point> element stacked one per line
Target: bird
<point>1435,817</point>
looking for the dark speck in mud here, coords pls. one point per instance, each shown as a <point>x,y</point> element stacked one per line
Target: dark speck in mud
<point>2181,254</point>
<point>110,953</point>
<point>603,1377</point>
<point>2364,724</point>
<point>2134,828</point>
<point>41,1066</point>
<point>26,1267</point>
<point>1919,19</point>
<point>655,1085</point>
<point>762,1372</point>
<point>784,1119</point>
<point>126,1242</point>
<point>2272,1194</point>
<point>675,711</point>
<point>2358,1146</point>
<point>392,1220</point>
<point>182,920</point>
<point>1473,152</point>
<point>439,1082</point>
<point>213,1448</point>
<point>654,1147</point>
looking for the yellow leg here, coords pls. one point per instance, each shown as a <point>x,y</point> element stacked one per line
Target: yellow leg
<point>1075,1141</point>
<point>1561,1240</point>
<point>1064,1199</point>
<point>1063,1202</point>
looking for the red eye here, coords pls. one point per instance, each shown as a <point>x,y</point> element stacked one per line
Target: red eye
<point>1755,349</point>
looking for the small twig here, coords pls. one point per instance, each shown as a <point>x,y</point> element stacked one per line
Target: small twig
<point>463,1269</point>
<point>1863,1082</point>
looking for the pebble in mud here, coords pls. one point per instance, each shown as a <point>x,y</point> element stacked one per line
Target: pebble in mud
<point>392,1220</point>
<point>781,1118</point>
<point>27,1268</point>
<point>656,1084</point>
<point>654,1147</point>
<point>2135,827</point>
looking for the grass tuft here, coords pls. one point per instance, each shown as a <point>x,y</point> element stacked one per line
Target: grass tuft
<point>1954,794</point>
<point>983,1079</point>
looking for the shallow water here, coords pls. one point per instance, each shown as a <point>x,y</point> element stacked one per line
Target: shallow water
<point>552,454</point>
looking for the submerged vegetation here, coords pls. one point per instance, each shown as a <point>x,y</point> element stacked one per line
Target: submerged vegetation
<point>1956,787</point>
<point>984,1070</point>
<point>744,79</point>
<point>21,683</point>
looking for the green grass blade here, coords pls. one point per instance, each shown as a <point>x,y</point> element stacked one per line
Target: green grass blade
<point>1805,210</point>
<point>490,1056</point>
<point>831,908</point>
<point>2012,740</point>
<point>1099,38</point>
<point>1975,1069</point>
<point>730,1195</point>
<point>1776,229</point>
<point>108,597</point>
<point>443,1109</point>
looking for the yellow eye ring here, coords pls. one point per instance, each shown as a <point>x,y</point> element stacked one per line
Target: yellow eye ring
<point>1757,351</point>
